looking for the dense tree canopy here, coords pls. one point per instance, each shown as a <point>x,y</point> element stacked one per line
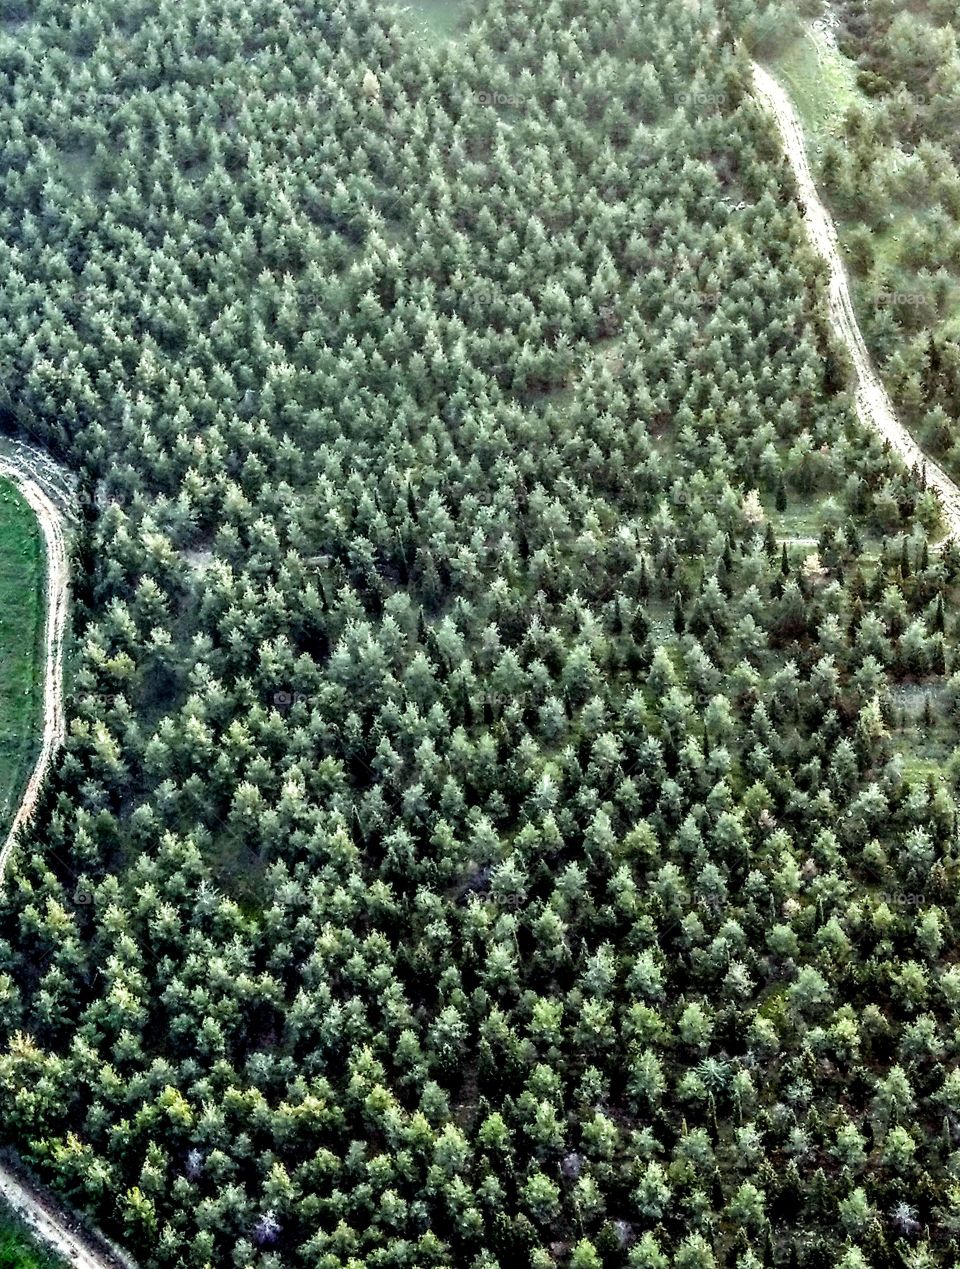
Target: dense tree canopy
<point>483,836</point>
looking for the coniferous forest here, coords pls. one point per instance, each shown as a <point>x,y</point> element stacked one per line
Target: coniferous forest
<point>508,812</point>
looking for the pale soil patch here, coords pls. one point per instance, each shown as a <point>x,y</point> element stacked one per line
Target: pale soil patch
<point>199,561</point>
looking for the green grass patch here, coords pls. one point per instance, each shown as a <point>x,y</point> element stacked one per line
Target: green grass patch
<point>924,737</point>
<point>804,517</point>
<point>441,19</point>
<point>822,84</point>
<point>799,519</point>
<point>22,565</point>
<point>77,168</point>
<point>19,1249</point>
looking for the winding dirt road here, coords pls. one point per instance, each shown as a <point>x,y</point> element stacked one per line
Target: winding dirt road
<point>873,404</point>
<point>48,492</point>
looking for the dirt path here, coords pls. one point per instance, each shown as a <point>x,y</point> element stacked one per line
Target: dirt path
<point>873,403</point>
<point>33,476</point>
<point>48,492</point>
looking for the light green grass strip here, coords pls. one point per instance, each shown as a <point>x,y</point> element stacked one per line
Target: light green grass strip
<point>19,1249</point>
<point>822,84</point>
<point>22,563</point>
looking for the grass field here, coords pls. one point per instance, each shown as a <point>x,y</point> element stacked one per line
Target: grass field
<point>822,84</point>
<point>441,19</point>
<point>19,1250</point>
<point>21,632</point>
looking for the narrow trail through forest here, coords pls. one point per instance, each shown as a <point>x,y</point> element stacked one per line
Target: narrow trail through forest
<point>873,403</point>
<point>47,490</point>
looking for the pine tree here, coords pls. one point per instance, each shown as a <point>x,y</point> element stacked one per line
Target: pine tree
<point>679,622</point>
